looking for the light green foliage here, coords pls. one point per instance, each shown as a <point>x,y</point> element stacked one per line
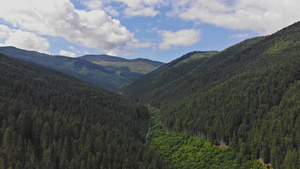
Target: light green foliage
<point>181,150</point>
<point>281,45</point>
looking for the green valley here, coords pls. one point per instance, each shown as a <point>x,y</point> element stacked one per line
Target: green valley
<point>237,108</point>
<point>245,96</point>
<point>149,84</point>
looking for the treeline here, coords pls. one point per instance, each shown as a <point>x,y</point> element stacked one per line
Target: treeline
<point>50,120</point>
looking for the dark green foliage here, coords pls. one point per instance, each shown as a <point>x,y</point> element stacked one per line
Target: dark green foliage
<point>154,86</point>
<point>50,120</point>
<point>247,96</point>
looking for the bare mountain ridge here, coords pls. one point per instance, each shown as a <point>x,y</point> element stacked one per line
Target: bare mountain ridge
<point>138,65</point>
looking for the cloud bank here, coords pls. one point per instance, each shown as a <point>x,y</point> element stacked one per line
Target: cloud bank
<point>184,37</point>
<point>28,23</point>
<point>23,39</point>
<point>67,53</point>
<point>262,16</point>
<point>145,8</point>
<point>92,28</point>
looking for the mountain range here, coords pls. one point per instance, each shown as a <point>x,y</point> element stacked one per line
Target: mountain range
<point>140,66</point>
<point>244,99</point>
<point>108,71</point>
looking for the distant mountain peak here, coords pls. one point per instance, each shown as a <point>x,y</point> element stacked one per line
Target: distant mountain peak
<point>112,73</point>
<point>138,65</point>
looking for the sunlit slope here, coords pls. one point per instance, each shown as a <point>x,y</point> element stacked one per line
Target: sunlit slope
<point>141,66</point>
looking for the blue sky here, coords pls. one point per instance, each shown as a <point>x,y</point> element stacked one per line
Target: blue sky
<point>160,30</point>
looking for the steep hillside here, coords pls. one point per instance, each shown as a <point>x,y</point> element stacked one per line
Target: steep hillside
<point>142,66</point>
<point>159,84</point>
<point>104,76</point>
<point>158,88</point>
<point>247,96</point>
<point>50,120</point>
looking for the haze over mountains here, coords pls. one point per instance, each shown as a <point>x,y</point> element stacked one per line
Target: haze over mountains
<point>109,72</point>
<point>245,98</point>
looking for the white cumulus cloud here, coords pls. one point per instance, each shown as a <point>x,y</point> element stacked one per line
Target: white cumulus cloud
<point>24,40</point>
<point>59,18</point>
<point>262,16</point>
<point>146,11</point>
<point>146,8</point>
<point>185,37</point>
<point>4,31</point>
<point>131,3</point>
<point>112,11</point>
<point>67,53</point>
<point>92,4</point>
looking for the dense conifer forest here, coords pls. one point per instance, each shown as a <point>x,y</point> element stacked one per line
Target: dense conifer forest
<point>50,120</point>
<point>246,96</point>
<point>237,108</point>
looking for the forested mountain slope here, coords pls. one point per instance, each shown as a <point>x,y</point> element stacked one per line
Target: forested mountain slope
<point>106,76</point>
<point>160,87</point>
<point>165,77</point>
<point>247,96</point>
<point>50,120</point>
